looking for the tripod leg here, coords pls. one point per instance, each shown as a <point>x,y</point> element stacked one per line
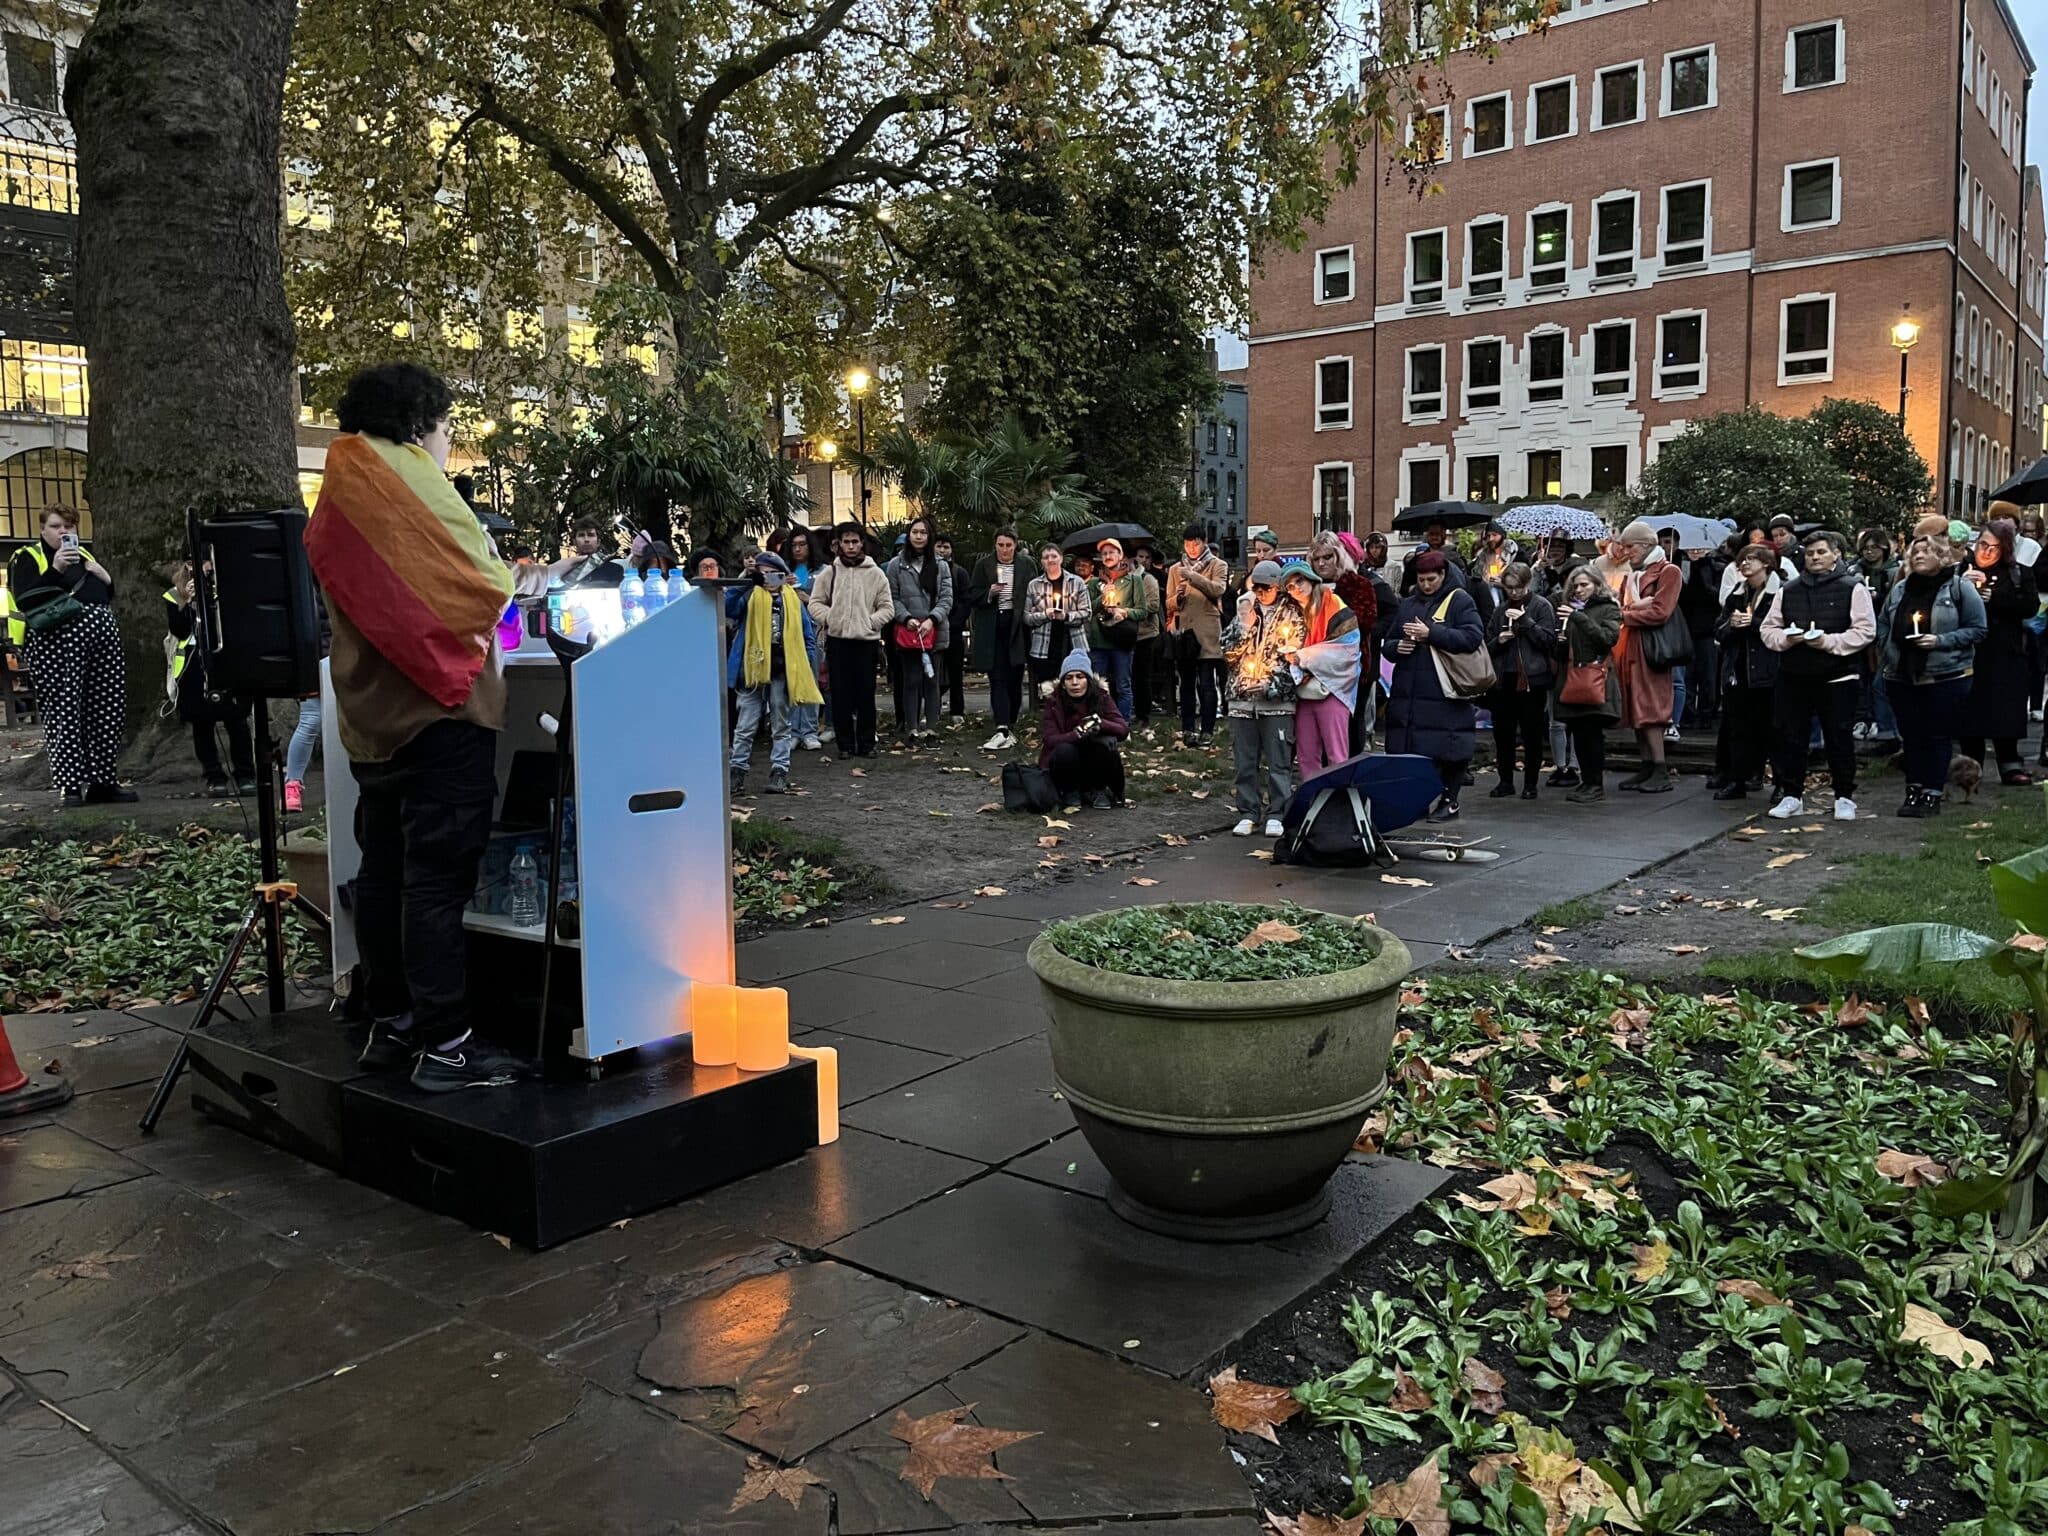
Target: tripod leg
<point>214,991</point>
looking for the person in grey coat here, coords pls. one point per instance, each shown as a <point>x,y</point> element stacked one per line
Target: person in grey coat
<point>921,590</point>
<point>1524,643</point>
<point>1422,717</point>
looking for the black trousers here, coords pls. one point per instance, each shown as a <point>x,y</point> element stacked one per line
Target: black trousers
<point>1703,677</point>
<point>1798,701</point>
<point>2005,750</point>
<point>1589,746</point>
<point>1201,688</point>
<point>1524,717</point>
<point>1742,750</point>
<point>852,665</point>
<point>423,821</point>
<point>954,671</point>
<point>1081,767</point>
<point>241,747</point>
<point>1927,715</point>
<point>1141,680</point>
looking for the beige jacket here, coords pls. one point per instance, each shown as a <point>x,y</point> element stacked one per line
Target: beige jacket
<point>851,602</point>
<point>1194,601</point>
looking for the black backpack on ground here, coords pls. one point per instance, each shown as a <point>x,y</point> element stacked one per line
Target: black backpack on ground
<point>1332,828</point>
<point>1028,787</point>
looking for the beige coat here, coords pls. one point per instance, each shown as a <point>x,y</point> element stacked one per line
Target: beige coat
<point>1194,601</point>
<point>851,602</point>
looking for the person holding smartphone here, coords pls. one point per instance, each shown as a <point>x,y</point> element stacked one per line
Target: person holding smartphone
<point>1930,631</point>
<point>66,600</point>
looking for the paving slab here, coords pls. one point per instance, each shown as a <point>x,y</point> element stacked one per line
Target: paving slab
<point>958,1024</point>
<point>138,1368</point>
<point>99,1061</point>
<point>1062,1261</point>
<point>56,1482</point>
<point>44,1031</point>
<point>990,923</point>
<point>825,999</point>
<point>871,1066</point>
<point>990,1108</point>
<point>785,1361</point>
<point>864,1468</point>
<point>1018,984</point>
<point>1066,1163</point>
<point>617,1467</point>
<point>934,963</point>
<point>48,1162</point>
<point>350,1451</point>
<point>112,1116</point>
<point>780,956</point>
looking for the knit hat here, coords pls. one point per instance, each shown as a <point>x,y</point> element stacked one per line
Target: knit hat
<point>1783,520</point>
<point>1262,536</point>
<point>1302,568</point>
<point>1077,661</point>
<point>1266,574</point>
<point>1431,560</point>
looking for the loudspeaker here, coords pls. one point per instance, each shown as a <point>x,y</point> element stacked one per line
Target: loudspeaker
<point>261,626</point>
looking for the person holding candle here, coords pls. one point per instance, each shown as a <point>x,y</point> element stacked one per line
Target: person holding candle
<point>1119,610</point>
<point>1997,706</point>
<point>1819,627</point>
<point>1055,615</point>
<point>1589,626</point>
<point>1928,634</point>
<point>1261,698</point>
<point>1194,622</point>
<point>1524,642</point>
<point>1078,731</point>
<point>1423,716</point>
<point>1001,639</point>
<point>921,586</point>
<point>1749,674</point>
<point>1326,670</point>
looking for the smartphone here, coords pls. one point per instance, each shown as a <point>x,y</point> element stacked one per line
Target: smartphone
<point>70,541</point>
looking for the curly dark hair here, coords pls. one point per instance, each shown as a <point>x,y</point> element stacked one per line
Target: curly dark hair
<point>398,401</point>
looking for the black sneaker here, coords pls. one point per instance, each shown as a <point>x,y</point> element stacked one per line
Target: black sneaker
<point>1529,793</point>
<point>1100,801</point>
<point>246,788</point>
<point>1564,778</point>
<point>219,789</point>
<point>72,800</point>
<point>1731,791</point>
<point>467,1065</point>
<point>1444,810</point>
<point>738,781</point>
<point>778,781</point>
<point>387,1046</point>
<point>110,794</point>
<point>1500,791</point>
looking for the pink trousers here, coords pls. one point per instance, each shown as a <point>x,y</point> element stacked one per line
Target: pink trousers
<point>1322,735</point>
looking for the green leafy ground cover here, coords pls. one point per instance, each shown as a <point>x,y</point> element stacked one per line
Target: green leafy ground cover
<point>1684,1279</point>
<point>1216,941</point>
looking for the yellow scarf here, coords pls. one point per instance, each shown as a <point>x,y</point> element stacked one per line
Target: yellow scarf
<point>755,666</point>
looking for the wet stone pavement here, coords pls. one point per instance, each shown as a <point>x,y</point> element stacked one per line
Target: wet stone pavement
<point>200,1333</point>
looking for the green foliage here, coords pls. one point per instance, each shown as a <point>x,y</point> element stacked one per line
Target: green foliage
<point>1901,951</point>
<point>1747,466</point>
<point>1576,913</point>
<point>1888,480</point>
<point>1201,941</point>
<point>975,482</point>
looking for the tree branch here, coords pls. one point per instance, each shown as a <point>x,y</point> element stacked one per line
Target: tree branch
<point>741,73</point>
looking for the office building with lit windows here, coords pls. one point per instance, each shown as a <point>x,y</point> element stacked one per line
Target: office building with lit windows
<point>1654,211</point>
<point>1219,452</point>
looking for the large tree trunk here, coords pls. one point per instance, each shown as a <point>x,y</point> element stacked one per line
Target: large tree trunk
<point>181,300</point>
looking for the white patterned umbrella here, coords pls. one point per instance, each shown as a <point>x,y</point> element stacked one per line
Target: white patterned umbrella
<point>1541,519</point>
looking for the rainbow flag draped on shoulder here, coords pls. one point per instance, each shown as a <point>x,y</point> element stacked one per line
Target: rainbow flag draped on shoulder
<point>399,553</point>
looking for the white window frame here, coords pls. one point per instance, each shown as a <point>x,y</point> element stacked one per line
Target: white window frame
<point>1599,123</point>
<point>1664,223</point>
<point>1529,250</point>
<point>1530,385</point>
<point>1629,472</point>
<point>1572,119</point>
<point>1443,281</point>
<point>1963,196</point>
<point>1635,239</point>
<point>1442,112</point>
<point>1437,456</point>
<point>1350,254</point>
<point>1958,323</point>
<point>1410,409</point>
<point>1350,406</point>
<point>1976,345</point>
<point>1466,404</point>
<point>1628,377</point>
<point>1711,50</point>
<point>1785,224</point>
<point>1315,492</point>
<point>1827,372</point>
<point>1465,462</point>
<point>1659,390</point>
<point>1500,278</point>
<point>1507,101</point>
<point>1792,35</point>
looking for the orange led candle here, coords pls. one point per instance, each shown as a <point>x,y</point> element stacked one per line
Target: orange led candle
<point>714,1024</point>
<point>827,1058</point>
<point>763,1028</point>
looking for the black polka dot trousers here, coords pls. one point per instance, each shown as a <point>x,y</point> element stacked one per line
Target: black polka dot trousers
<point>81,697</point>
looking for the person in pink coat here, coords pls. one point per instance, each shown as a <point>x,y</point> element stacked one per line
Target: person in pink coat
<point>1649,596</point>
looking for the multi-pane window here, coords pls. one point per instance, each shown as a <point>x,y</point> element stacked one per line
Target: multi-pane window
<point>1681,352</point>
<point>1486,258</point>
<point>32,72</point>
<point>1610,468</point>
<point>1689,80</point>
<point>589,262</point>
<point>1489,118</point>
<point>1621,95</point>
<point>1807,345</point>
<point>1546,366</point>
<point>1333,498</point>
<point>1482,477</point>
<point>1425,396</point>
<point>1550,248</point>
<point>1811,196</point>
<point>1230,439</point>
<point>1333,393</point>
<point>1546,472</point>
<point>1426,267</point>
<point>583,344</point>
<point>1209,484</point>
<point>1483,374</point>
<point>38,177</point>
<point>45,377</point>
<point>303,208</point>
<point>1333,275</point>
<point>1614,358</point>
<point>1614,236</point>
<point>1210,437</point>
<point>525,331</point>
<point>1550,110</point>
<point>1814,56</point>
<point>1425,481</point>
<point>1429,134</point>
<point>35,480</point>
<point>1976,344</point>
<point>1685,224</point>
<point>1230,493</point>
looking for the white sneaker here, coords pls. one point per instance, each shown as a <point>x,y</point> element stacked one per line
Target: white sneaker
<point>2034,715</point>
<point>1002,741</point>
<point>825,733</point>
<point>812,744</point>
<point>1845,809</point>
<point>1273,827</point>
<point>1243,828</point>
<point>1786,808</point>
<point>1671,733</point>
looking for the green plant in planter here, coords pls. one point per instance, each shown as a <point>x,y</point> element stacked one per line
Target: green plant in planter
<point>1904,951</point>
<point>1206,941</point>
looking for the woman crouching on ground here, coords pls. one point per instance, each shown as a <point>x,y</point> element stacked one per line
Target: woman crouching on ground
<point>1078,732</point>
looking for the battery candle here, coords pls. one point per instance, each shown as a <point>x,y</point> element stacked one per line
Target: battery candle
<point>763,1027</point>
<point>827,1058</point>
<point>1916,624</point>
<point>714,1029</point>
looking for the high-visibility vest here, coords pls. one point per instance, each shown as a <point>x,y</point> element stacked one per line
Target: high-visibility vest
<point>181,656</point>
<point>17,626</point>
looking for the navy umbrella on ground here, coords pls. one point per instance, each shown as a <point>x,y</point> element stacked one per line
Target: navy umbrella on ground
<point>1452,514</point>
<point>1341,816</point>
<point>1126,534</point>
<point>2029,488</point>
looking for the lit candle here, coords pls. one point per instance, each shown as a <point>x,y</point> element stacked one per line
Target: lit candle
<point>763,1028</point>
<point>827,1058</point>
<point>714,1030</point>
<point>1916,624</point>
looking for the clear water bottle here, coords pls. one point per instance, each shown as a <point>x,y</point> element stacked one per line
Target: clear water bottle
<point>566,886</point>
<point>522,895</point>
<point>555,608</point>
<point>655,597</point>
<point>632,598</point>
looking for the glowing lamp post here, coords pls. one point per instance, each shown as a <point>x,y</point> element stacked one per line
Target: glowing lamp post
<point>858,382</point>
<point>1905,331</point>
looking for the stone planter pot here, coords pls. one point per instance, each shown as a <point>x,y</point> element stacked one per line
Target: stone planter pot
<point>1221,1108</point>
<point>305,861</point>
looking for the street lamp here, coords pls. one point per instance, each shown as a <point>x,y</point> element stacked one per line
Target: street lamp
<point>827,449</point>
<point>858,381</point>
<point>1905,331</point>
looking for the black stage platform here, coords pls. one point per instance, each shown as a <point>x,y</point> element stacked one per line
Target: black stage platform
<point>538,1162</point>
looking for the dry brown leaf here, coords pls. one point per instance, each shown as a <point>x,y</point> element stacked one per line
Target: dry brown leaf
<point>990,890</point>
<point>1049,841</point>
<point>1483,1385</point>
<point>983,810</point>
<point>1054,821</point>
<point>1721,1417</point>
<point>1178,933</point>
<point>1372,1133</point>
<point>1200,794</point>
<point>1852,1012</point>
<point>860,773</point>
<point>1173,839</point>
<point>1651,1260</point>
<point>1916,1010</point>
<point>1748,832</point>
<point>1557,1301</point>
<point>1418,1500</point>
<point>1750,1292</point>
<point>765,1480</point>
<point>883,922</point>
<point>1141,880</point>
<point>1537,962</point>
<point>87,1266</point>
<point>1910,1169</point>
<point>1782,914</point>
<point>1306,1524</point>
<point>1939,1336</point>
<point>1685,949</point>
<point>941,1446</point>
<point>1271,931</point>
<point>1261,853</point>
<point>1410,1396</point>
<point>1535,1222</point>
<point>2033,943</point>
<point>54,1067</point>
<point>1401,880</point>
<point>1783,859</point>
<point>1248,1406</point>
<point>1627,911</point>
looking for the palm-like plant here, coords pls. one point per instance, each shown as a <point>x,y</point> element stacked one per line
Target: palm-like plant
<point>985,479</point>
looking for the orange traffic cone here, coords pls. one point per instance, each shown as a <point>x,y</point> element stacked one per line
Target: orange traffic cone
<point>20,1096</point>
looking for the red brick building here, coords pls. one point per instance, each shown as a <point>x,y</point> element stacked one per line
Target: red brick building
<point>1657,211</point>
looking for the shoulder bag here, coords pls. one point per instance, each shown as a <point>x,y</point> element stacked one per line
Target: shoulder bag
<point>1585,682</point>
<point>45,610</point>
<point>1462,674</point>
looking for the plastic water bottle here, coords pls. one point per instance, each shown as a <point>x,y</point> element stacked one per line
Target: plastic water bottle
<point>678,585</point>
<point>566,886</point>
<point>632,598</point>
<point>655,595</point>
<point>522,898</point>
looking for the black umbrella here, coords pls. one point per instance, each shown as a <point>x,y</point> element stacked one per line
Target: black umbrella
<point>2029,487</point>
<point>1126,534</point>
<point>1452,514</point>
